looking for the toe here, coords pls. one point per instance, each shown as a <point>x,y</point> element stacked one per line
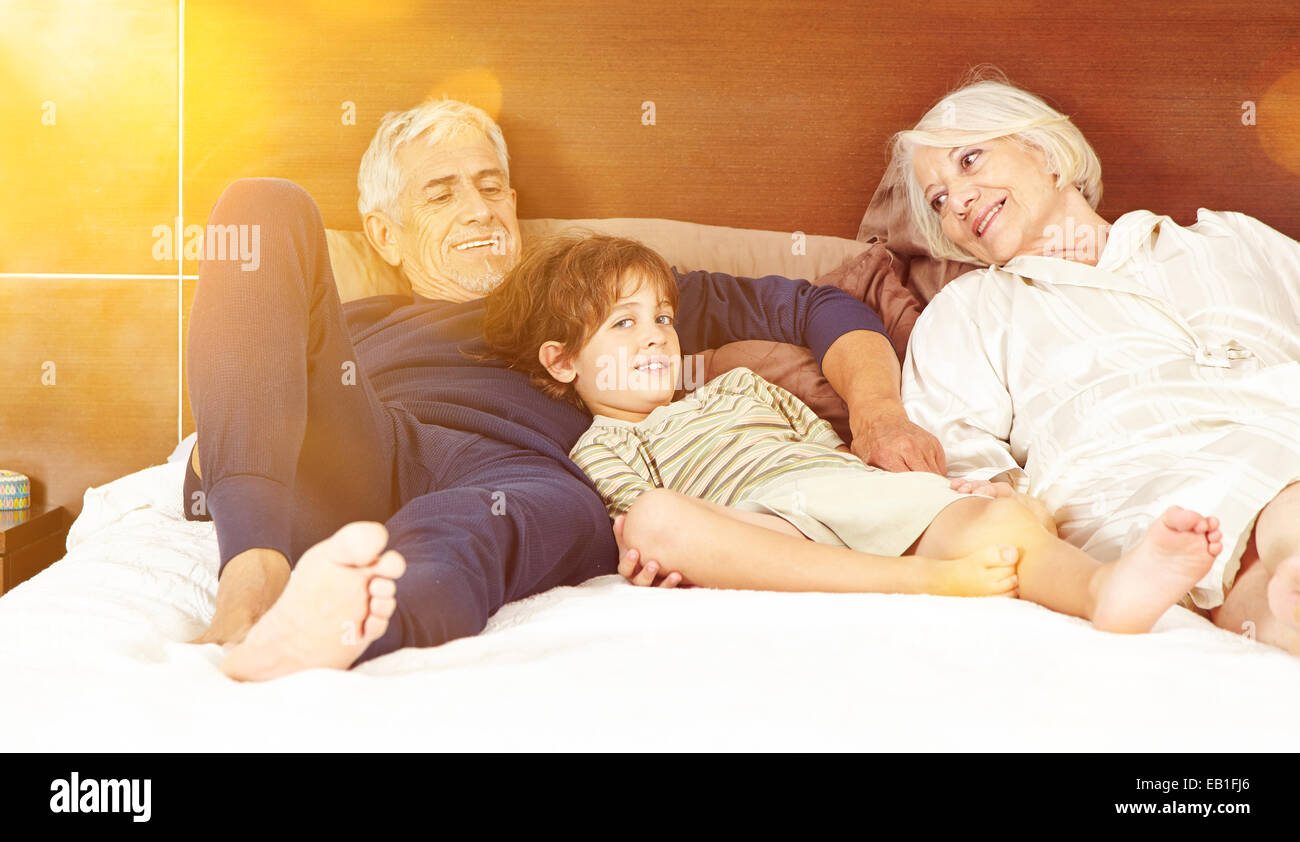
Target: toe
<point>391,564</point>
<point>382,588</point>
<point>382,608</point>
<point>374,628</point>
<point>1181,520</point>
<point>360,542</point>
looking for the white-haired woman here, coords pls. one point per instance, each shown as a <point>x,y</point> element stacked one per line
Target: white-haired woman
<point>1111,369</point>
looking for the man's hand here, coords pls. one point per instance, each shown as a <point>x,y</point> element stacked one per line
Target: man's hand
<point>630,567</point>
<point>886,437</point>
<point>861,366</point>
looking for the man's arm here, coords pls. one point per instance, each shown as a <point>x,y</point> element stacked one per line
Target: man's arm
<point>716,308</point>
<point>863,369</point>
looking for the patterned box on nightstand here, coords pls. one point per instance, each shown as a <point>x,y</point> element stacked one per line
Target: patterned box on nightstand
<point>15,491</point>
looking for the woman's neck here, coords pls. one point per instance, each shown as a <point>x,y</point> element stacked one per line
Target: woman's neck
<point>1079,234</point>
<point>1075,233</point>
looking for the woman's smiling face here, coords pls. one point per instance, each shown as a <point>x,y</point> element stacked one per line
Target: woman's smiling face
<point>995,199</point>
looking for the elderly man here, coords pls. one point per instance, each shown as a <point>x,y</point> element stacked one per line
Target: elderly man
<point>373,483</point>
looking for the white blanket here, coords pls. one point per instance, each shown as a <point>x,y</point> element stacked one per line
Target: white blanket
<point>91,659</point>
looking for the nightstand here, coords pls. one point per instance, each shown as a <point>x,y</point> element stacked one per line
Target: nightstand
<point>30,540</point>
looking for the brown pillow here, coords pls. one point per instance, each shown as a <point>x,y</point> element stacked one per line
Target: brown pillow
<point>888,221</point>
<point>870,277</point>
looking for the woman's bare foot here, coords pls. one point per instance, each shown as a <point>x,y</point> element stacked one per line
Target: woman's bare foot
<point>338,600</point>
<point>1146,581</point>
<point>989,572</point>
<point>1284,593</point>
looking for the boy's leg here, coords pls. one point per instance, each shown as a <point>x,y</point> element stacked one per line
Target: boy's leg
<point>721,550</point>
<point>1127,595</point>
<point>294,441</point>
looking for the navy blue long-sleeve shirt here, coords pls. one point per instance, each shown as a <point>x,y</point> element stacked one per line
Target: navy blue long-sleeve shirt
<point>414,351</point>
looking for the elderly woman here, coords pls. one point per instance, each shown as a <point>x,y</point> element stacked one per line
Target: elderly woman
<point>1111,369</point>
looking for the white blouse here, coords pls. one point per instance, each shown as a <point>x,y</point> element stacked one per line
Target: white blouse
<point>1167,374</point>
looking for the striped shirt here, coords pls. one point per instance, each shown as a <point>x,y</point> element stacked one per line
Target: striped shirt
<point>720,443</point>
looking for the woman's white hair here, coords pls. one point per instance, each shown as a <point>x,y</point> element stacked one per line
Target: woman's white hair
<point>380,180</point>
<point>983,110</point>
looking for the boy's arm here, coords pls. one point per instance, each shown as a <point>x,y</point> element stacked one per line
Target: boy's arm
<point>615,480</point>
<point>619,485</point>
<point>845,335</point>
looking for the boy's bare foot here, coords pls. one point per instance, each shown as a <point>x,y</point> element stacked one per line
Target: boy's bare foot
<point>1146,581</point>
<point>1284,593</point>
<point>989,572</point>
<point>338,600</point>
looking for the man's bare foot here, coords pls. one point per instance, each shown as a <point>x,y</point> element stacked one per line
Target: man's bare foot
<point>989,572</point>
<point>250,584</point>
<point>1135,591</point>
<point>1284,593</point>
<point>338,600</point>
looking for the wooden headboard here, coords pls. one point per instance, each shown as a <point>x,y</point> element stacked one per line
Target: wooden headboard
<point>769,115</point>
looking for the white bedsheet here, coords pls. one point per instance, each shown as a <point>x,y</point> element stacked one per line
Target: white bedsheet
<point>91,659</point>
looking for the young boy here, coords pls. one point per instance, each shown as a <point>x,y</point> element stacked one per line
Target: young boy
<point>741,485</point>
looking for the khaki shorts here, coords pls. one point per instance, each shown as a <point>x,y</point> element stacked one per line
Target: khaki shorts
<point>855,506</point>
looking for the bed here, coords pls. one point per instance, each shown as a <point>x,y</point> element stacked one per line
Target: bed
<point>94,658</point>
<point>94,661</point>
<point>773,117</point>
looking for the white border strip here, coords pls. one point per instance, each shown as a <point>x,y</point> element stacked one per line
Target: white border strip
<point>180,217</point>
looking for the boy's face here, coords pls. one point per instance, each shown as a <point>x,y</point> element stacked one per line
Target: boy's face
<point>633,361</point>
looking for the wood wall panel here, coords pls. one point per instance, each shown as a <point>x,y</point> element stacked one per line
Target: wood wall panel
<point>88,152</point>
<point>111,409</point>
<point>770,115</point>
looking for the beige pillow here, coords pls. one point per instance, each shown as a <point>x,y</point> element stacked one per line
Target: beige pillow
<point>360,272</point>
<point>866,271</point>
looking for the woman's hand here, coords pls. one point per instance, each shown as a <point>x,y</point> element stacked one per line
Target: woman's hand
<point>630,567</point>
<point>984,488</point>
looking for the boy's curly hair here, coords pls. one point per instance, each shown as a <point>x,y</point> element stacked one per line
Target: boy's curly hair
<point>562,289</point>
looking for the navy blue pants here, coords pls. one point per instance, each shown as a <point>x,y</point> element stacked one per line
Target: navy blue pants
<point>294,443</point>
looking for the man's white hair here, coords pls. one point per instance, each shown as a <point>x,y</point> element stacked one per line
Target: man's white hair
<point>380,180</point>
<point>985,110</point>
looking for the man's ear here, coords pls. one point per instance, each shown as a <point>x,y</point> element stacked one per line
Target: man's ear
<point>381,233</point>
<point>556,362</point>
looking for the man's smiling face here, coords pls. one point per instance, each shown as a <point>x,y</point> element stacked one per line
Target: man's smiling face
<point>459,234</point>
